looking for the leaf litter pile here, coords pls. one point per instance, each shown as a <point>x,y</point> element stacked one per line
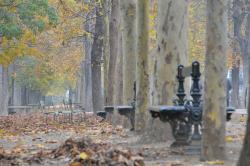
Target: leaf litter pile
<point>75,151</point>
<point>84,152</point>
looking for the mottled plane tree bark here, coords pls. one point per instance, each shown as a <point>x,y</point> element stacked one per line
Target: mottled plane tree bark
<point>106,48</point>
<point>88,102</point>
<point>142,76</point>
<point>171,51</point>
<point>96,58</point>
<point>128,15</point>
<point>113,43</point>
<point>118,83</point>
<point>214,108</point>
<point>245,152</point>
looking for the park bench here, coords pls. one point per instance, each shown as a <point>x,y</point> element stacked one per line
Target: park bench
<point>108,110</point>
<point>66,113</point>
<point>184,116</point>
<point>102,114</point>
<point>125,110</point>
<point>19,109</point>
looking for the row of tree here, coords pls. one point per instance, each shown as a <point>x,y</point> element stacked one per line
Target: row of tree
<point>113,44</point>
<point>41,49</point>
<point>128,63</point>
<point>64,29</point>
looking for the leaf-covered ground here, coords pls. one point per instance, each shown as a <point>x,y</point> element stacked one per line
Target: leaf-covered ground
<point>36,139</point>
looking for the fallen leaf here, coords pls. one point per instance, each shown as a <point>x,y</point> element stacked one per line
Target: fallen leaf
<point>216,162</point>
<point>51,141</point>
<point>75,164</point>
<point>17,150</point>
<point>40,145</point>
<point>84,155</point>
<point>242,118</point>
<point>228,139</point>
<point>2,131</point>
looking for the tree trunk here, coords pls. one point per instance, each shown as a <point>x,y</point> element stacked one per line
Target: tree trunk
<point>96,57</point>
<point>245,83</point>
<point>106,49</point>
<point>34,96</point>
<point>152,52</point>
<point>244,156</point>
<point>171,51</point>
<point>113,41</point>
<point>118,88</point>
<point>70,95</point>
<point>24,99</point>
<point>17,94</point>
<point>142,76</point>
<point>237,24</point>
<point>16,87</point>
<point>244,159</point>
<point>214,112</point>
<point>11,69</point>
<point>128,15</point>
<point>78,89</point>
<point>118,83</point>
<point>118,71</point>
<point>4,96</point>
<point>87,66</point>
<point>81,95</point>
<point>235,86</point>
<point>246,61</point>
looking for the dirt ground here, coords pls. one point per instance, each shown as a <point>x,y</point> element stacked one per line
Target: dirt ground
<point>23,137</point>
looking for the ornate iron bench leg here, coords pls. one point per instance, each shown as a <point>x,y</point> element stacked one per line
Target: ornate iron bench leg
<point>196,134</point>
<point>132,120</point>
<point>182,133</point>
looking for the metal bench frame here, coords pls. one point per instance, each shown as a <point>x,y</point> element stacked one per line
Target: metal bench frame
<point>185,117</point>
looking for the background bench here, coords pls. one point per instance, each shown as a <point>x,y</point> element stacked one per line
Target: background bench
<point>19,109</point>
<point>125,110</point>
